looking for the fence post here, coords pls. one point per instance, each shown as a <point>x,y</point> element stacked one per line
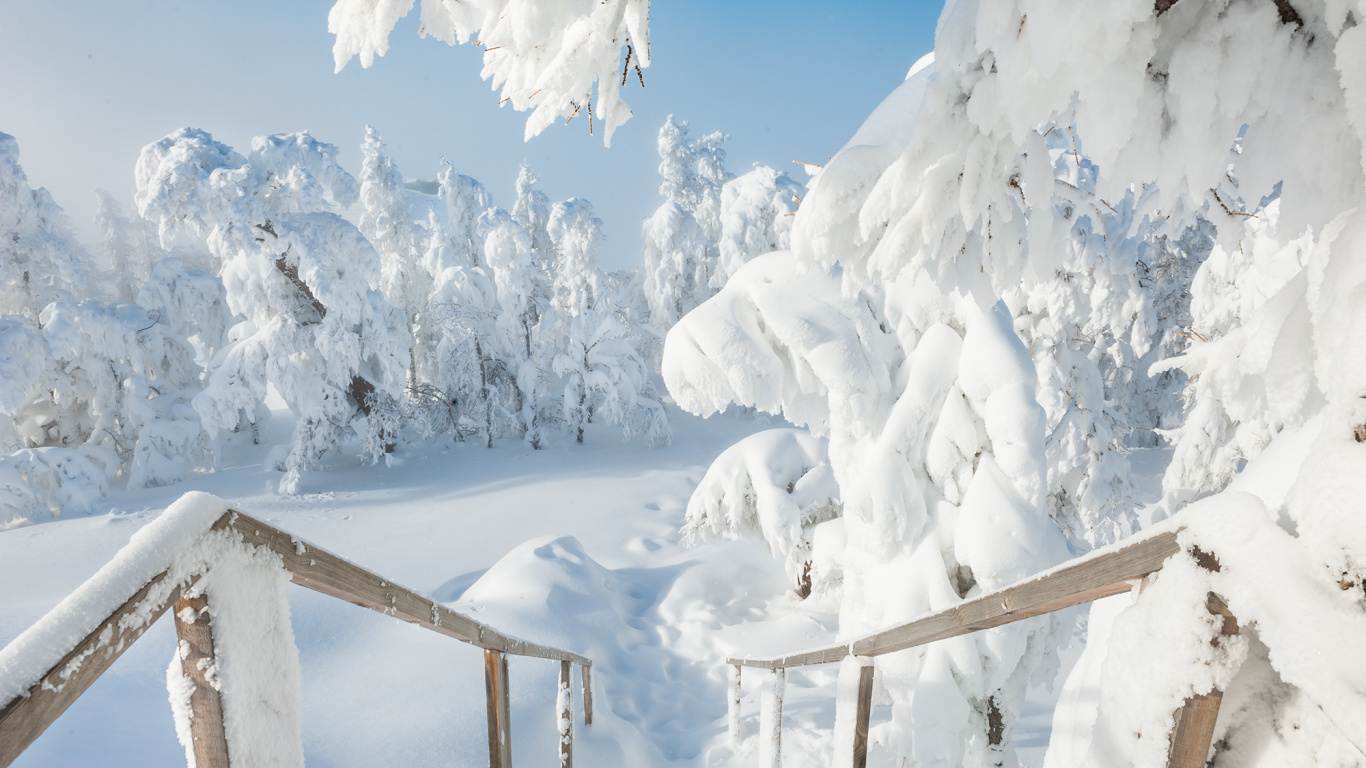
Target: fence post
<point>733,705</point>
<point>195,638</point>
<point>862,714</point>
<point>587,694</point>
<point>564,705</point>
<point>499,708</point>
<point>1194,729</point>
<point>771,719</point>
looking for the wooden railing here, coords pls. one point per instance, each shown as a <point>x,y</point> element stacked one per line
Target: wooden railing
<point>1081,581</point>
<point>24,718</point>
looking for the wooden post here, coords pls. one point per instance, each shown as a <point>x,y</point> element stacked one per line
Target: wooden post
<point>862,714</point>
<point>1194,729</point>
<point>587,695</point>
<point>195,636</point>
<point>564,702</point>
<point>771,720</point>
<point>733,705</point>
<point>499,708</point>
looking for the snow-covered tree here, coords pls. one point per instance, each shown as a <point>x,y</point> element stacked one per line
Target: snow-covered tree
<point>546,56</point>
<point>466,200</point>
<point>532,211</point>
<point>306,281</point>
<point>604,375</point>
<point>675,262</point>
<point>524,317</point>
<point>681,237</point>
<point>386,219</point>
<point>38,262</point>
<point>756,211</point>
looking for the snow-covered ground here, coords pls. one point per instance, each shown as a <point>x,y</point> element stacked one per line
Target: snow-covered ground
<point>574,546</point>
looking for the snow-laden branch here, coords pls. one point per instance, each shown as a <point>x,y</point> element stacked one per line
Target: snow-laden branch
<point>545,55</point>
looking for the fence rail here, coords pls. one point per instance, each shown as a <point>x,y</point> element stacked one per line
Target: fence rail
<point>24,718</point>
<point>1081,581</point>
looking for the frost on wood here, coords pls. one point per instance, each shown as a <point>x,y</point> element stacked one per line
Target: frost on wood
<point>154,548</point>
<point>545,56</point>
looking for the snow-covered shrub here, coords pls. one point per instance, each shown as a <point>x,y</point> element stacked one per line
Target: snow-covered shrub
<point>306,281</point>
<point>776,484</point>
<point>36,483</point>
<point>546,56</point>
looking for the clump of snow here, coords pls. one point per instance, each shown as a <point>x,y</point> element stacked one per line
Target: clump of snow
<point>776,484</point>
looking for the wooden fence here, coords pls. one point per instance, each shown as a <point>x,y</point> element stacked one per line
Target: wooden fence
<point>1086,579</point>
<point>23,719</point>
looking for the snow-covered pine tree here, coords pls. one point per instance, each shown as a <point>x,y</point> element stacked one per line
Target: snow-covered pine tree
<point>466,200</point>
<point>523,316</point>
<point>39,262</point>
<point>604,375</point>
<point>681,237</point>
<point>387,221</point>
<point>756,212</point>
<point>306,280</point>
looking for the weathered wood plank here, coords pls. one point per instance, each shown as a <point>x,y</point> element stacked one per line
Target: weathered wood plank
<point>195,635</point>
<point>565,703</point>
<point>499,708</point>
<point>587,670</point>
<point>324,572</point>
<point>862,714</point>
<point>24,719</point>
<point>1090,579</point>
<point>1193,731</point>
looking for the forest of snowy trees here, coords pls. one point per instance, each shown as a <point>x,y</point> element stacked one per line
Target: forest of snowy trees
<point>378,312</point>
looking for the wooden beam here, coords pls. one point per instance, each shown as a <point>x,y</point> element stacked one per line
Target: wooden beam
<point>1089,578</point>
<point>499,708</point>
<point>324,572</point>
<point>25,718</point>
<point>1193,732</point>
<point>862,714</point>
<point>564,701</point>
<point>197,658</point>
<point>587,694</point>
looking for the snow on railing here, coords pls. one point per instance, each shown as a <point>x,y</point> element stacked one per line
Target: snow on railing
<point>1103,573</point>
<point>172,562</point>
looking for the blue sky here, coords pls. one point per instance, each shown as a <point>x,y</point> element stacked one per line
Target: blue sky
<point>86,84</point>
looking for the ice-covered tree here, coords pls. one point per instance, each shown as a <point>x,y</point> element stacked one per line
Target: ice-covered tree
<point>546,56</point>
<point>306,281</point>
<point>39,263</point>
<point>532,211</point>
